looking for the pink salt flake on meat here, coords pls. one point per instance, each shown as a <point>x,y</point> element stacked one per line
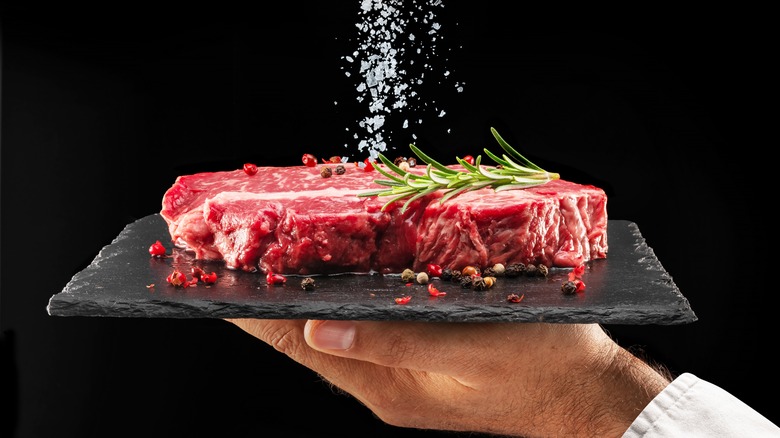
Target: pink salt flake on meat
<point>291,220</point>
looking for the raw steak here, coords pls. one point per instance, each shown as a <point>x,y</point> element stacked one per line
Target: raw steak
<point>291,220</point>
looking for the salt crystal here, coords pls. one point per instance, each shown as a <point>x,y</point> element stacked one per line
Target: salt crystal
<point>386,84</point>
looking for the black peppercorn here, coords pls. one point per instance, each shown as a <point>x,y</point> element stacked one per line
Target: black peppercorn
<point>531,270</point>
<point>455,276</point>
<point>489,272</point>
<point>514,270</point>
<point>466,281</point>
<point>412,161</point>
<point>399,160</point>
<point>569,288</point>
<point>479,283</point>
<point>307,283</point>
<point>340,169</point>
<point>446,274</point>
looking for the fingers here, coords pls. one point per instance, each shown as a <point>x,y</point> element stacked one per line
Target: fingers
<point>459,350</point>
<point>284,335</point>
<point>287,337</point>
<point>457,376</point>
<point>391,393</point>
<point>430,346</point>
<point>280,334</point>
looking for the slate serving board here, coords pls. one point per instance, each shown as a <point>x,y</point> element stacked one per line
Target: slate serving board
<point>629,287</point>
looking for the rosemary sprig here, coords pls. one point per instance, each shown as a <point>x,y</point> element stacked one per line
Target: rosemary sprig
<point>515,172</point>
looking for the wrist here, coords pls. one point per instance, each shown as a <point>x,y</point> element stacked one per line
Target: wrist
<point>597,389</point>
<point>621,391</point>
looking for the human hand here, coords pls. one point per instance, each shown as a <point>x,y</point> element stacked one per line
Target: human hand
<point>515,379</point>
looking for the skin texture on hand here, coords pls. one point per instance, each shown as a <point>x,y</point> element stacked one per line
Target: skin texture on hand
<point>511,379</point>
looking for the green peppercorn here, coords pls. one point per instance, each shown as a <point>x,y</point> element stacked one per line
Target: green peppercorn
<point>407,275</point>
<point>543,270</point>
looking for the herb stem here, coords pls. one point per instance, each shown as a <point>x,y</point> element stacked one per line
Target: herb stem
<point>513,171</point>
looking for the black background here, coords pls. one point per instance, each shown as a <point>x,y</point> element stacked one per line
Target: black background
<point>103,108</point>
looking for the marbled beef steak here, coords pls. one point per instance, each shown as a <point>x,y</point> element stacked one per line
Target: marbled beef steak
<point>291,220</point>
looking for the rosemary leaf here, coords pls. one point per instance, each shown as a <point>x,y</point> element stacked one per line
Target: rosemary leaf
<point>513,172</point>
<point>509,149</point>
<point>421,155</point>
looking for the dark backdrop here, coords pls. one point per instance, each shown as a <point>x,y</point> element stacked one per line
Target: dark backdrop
<point>103,108</point>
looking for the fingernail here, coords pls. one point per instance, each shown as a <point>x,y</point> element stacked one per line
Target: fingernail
<point>332,335</point>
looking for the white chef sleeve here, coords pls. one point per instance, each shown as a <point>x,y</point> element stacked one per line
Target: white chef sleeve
<point>692,407</point>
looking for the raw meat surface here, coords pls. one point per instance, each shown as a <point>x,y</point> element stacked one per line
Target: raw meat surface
<point>291,220</point>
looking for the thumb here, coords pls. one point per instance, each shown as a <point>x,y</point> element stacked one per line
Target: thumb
<point>423,346</point>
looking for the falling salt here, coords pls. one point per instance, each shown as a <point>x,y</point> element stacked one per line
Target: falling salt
<point>393,35</point>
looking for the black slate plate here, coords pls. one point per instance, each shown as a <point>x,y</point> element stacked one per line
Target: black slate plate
<point>629,287</point>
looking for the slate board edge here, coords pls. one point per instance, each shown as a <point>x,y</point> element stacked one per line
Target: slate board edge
<point>215,309</point>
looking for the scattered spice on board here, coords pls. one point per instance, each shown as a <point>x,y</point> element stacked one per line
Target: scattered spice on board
<point>403,300</point>
<point>209,278</point>
<point>157,249</point>
<point>407,275</point>
<point>275,279</point>
<point>179,279</point>
<point>478,283</point>
<point>434,291</point>
<point>515,298</point>
<point>434,270</point>
<point>574,284</point>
